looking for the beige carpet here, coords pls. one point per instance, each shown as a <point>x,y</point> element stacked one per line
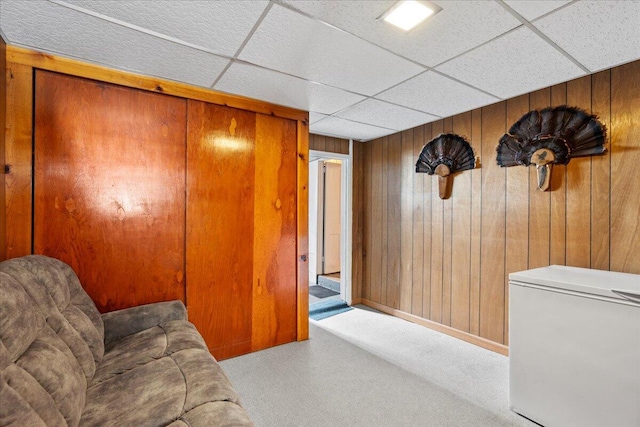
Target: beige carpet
<point>364,368</point>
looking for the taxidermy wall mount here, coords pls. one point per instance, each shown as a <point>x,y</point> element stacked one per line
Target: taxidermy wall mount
<point>553,135</point>
<point>443,156</point>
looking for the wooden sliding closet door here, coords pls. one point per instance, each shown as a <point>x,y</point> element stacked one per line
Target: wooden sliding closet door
<point>241,228</point>
<point>109,187</point>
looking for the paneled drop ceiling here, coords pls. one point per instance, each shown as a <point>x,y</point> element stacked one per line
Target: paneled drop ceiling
<point>358,77</point>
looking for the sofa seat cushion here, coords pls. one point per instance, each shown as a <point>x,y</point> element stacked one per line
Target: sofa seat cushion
<point>155,377</point>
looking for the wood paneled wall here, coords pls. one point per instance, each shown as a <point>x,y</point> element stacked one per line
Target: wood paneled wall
<point>241,228</point>
<point>109,185</point>
<point>88,139</point>
<point>445,263</point>
<point>3,117</point>
<point>327,143</point>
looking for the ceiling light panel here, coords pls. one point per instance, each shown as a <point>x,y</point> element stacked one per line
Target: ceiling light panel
<point>532,9</point>
<point>219,26</point>
<point>272,86</point>
<point>437,95</point>
<point>83,36</point>
<point>374,112</point>
<point>295,44</point>
<point>517,63</point>
<point>340,128</point>
<point>407,14</point>
<point>599,34</point>
<point>458,27</point>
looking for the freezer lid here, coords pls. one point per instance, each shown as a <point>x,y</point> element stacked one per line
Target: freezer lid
<point>584,280</point>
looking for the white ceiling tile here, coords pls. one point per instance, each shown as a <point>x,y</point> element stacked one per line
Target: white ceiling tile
<point>334,126</point>
<point>272,86</point>
<point>516,63</point>
<point>458,27</point>
<point>218,26</point>
<point>374,112</point>
<point>295,44</point>
<point>532,9</point>
<point>316,117</point>
<point>437,95</point>
<point>599,34</point>
<point>37,24</point>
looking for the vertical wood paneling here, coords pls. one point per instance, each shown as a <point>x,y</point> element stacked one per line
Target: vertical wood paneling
<point>517,218</point>
<point>579,187</point>
<point>302,233</point>
<point>437,240</point>
<point>625,158</point>
<point>152,129</point>
<point>476,223</point>
<point>377,191</point>
<point>220,225</point>
<point>510,225</point>
<point>18,156</point>
<point>274,224</point>
<point>369,235</point>
<point>601,175</point>
<point>3,147</point>
<point>558,230</point>
<point>358,228</point>
<point>318,142</point>
<point>461,235</point>
<point>394,219</point>
<point>446,246</point>
<point>417,233</point>
<point>427,232</point>
<point>344,146</point>
<point>492,247</point>
<point>406,221</point>
<point>328,144</point>
<point>539,201</point>
<point>109,181</point>
<point>384,212</point>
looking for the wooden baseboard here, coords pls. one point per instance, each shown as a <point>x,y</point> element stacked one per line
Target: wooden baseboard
<point>464,336</point>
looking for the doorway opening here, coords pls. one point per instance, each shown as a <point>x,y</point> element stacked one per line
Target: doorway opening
<point>329,227</point>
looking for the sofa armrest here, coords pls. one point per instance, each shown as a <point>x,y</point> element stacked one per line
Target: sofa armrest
<point>121,323</point>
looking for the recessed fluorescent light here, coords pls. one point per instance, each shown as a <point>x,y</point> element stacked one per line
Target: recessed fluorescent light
<point>406,14</point>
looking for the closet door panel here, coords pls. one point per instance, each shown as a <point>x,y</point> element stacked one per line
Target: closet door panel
<point>109,179</point>
<point>220,225</point>
<point>274,272</point>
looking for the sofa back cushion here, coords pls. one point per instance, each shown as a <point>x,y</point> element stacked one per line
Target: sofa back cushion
<point>51,339</point>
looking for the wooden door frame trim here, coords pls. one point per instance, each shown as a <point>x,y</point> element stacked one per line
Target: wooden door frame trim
<point>346,218</point>
<point>302,252</point>
<point>50,62</point>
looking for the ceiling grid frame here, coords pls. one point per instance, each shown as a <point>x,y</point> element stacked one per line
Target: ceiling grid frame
<point>332,101</point>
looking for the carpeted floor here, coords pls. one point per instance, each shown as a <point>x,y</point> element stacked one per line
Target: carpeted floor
<point>365,368</point>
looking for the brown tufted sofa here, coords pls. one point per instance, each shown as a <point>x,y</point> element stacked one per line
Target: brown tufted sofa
<point>62,363</point>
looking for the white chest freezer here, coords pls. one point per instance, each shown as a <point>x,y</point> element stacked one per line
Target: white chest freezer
<point>574,347</point>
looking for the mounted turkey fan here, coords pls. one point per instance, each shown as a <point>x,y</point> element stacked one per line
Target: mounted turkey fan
<point>552,135</point>
<point>444,155</point>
